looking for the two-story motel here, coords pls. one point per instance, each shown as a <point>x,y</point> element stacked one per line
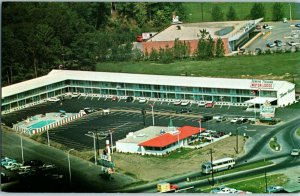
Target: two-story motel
<point>160,87</point>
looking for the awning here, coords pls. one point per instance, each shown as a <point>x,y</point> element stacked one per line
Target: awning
<point>261,100</point>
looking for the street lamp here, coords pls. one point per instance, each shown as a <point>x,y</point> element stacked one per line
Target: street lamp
<point>152,106</point>
<point>290,12</point>
<point>70,165</point>
<point>200,124</point>
<point>111,141</point>
<point>178,140</point>
<point>237,140</point>
<point>94,146</point>
<point>48,137</point>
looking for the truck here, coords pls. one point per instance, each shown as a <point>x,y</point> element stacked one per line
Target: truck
<point>166,187</point>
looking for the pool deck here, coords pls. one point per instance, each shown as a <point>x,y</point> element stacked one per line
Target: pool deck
<point>41,122</point>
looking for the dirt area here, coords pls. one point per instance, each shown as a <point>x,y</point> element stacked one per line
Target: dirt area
<point>149,168</point>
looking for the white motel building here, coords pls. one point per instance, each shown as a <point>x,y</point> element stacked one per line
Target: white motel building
<point>159,87</point>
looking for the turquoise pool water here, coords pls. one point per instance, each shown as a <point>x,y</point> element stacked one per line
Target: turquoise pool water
<point>41,124</point>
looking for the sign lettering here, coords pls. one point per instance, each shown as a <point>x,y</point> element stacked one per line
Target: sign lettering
<point>265,84</point>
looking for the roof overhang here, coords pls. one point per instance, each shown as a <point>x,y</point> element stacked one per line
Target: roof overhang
<point>261,100</point>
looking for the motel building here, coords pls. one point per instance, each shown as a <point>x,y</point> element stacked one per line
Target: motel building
<point>223,91</point>
<point>157,140</point>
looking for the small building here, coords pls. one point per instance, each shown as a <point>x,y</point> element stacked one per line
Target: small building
<point>157,140</point>
<point>234,34</point>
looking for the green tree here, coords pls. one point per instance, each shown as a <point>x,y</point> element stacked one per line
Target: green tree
<point>210,47</point>
<point>153,55</point>
<point>217,14</point>
<point>278,11</point>
<point>257,11</point>
<point>231,14</point>
<point>220,50</point>
<point>201,52</point>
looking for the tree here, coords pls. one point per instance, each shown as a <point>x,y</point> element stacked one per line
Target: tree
<point>257,11</point>
<point>201,52</point>
<point>210,47</point>
<point>231,14</point>
<point>278,11</point>
<point>217,14</point>
<point>220,50</point>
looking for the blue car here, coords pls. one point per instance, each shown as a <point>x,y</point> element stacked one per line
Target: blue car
<point>297,25</point>
<point>270,44</point>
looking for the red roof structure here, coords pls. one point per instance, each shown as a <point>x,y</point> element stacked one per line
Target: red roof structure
<point>169,138</point>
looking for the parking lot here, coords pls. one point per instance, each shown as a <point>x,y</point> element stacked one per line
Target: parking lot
<point>285,32</point>
<point>127,117</point>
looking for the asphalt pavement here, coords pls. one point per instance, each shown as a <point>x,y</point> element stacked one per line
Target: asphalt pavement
<point>84,174</point>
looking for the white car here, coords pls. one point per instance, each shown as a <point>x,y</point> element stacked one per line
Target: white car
<point>53,99</point>
<point>234,120</point>
<point>75,94</point>
<point>185,103</point>
<point>11,165</point>
<point>295,152</point>
<point>142,100</point>
<point>292,43</point>
<point>177,102</point>
<point>201,103</point>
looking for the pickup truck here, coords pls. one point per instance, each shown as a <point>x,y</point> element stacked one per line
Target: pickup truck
<point>166,187</point>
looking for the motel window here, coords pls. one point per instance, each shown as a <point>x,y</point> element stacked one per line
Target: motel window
<point>207,90</point>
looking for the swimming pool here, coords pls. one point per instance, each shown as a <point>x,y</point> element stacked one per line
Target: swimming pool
<point>41,124</point>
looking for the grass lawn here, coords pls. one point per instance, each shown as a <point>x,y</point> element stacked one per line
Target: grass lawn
<point>256,184</point>
<point>273,144</point>
<point>194,13</point>
<point>276,66</point>
<point>298,132</point>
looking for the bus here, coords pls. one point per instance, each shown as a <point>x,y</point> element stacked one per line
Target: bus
<point>217,165</point>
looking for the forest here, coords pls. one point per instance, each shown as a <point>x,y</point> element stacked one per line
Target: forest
<point>40,36</point>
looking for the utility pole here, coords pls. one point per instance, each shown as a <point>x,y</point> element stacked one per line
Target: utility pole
<point>266,181</point>
<point>212,167</point>
<point>144,117</point>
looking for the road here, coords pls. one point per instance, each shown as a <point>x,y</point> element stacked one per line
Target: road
<point>85,175</point>
<point>259,150</point>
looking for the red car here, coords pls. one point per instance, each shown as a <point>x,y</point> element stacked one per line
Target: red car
<point>139,38</point>
<point>209,104</point>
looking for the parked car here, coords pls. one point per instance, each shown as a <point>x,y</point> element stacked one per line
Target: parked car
<point>106,111</point>
<point>270,44</point>
<point>11,165</point>
<point>129,99</point>
<point>183,110</point>
<point>209,104</point>
<point>295,152</point>
<point>292,43</point>
<point>243,119</point>
<point>88,110</point>
<point>266,26</point>
<point>185,103</point>
<point>47,166</point>
<point>142,100</point>
<point>75,95</point>
<point>274,189</point>
<point>6,160</point>
<point>177,103</point>
<point>201,103</point>
<point>297,25</point>
<point>258,27</point>
<point>206,118</point>
<point>234,120</point>
<point>34,163</point>
<point>278,43</point>
<point>220,119</point>
<point>114,98</point>
<point>53,99</point>
<point>218,189</point>
<point>139,38</point>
